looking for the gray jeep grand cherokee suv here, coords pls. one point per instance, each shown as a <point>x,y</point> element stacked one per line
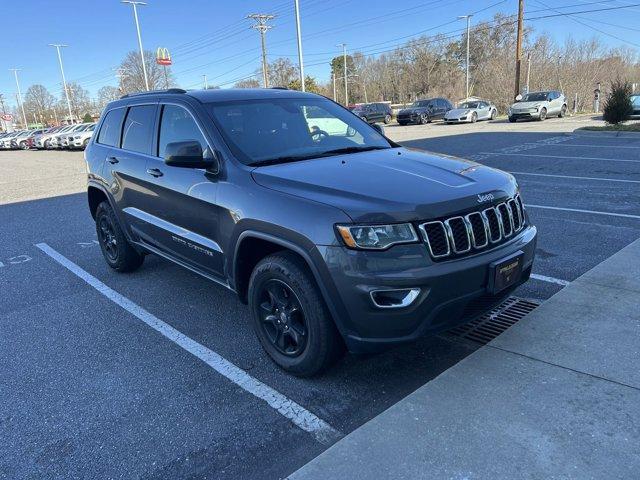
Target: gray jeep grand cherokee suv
<point>334,235</point>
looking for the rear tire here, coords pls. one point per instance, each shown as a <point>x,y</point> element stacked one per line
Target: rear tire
<point>85,143</point>
<point>47,144</point>
<point>512,119</point>
<point>387,119</point>
<point>563,112</point>
<point>23,146</point>
<point>493,114</point>
<point>304,341</point>
<point>423,119</point>
<point>116,249</point>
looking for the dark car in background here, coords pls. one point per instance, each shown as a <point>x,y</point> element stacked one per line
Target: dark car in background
<point>374,112</point>
<point>424,111</point>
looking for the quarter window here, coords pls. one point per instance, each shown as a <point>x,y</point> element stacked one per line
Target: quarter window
<point>177,125</point>
<point>137,134</point>
<point>110,130</point>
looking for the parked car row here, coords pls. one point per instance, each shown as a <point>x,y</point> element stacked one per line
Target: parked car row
<point>532,106</point>
<point>69,137</point>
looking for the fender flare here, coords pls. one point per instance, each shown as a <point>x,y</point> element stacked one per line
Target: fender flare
<point>329,301</point>
<point>107,194</point>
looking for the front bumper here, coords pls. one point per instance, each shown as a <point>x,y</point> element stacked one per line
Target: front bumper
<point>461,119</point>
<point>451,292</point>
<point>408,118</point>
<point>529,115</point>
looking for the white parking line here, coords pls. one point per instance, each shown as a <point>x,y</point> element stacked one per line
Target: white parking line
<point>301,417</point>
<point>566,157</point>
<point>595,146</point>
<point>544,278</point>
<point>610,214</point>
<point>576,177</point>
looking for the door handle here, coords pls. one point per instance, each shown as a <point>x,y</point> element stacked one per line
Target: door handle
<point>112,160</point>
<point>154,172</point>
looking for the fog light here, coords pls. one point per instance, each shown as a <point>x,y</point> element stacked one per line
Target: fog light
<point>394,298</point>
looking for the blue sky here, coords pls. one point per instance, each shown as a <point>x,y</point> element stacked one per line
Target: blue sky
<point>212,37</point>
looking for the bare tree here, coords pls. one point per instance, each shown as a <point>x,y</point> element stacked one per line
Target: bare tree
<point>80,101</point>
<point>132,74</point>
<point>105,95</point>
<point>282,72</point>
<point>38,103</point>
<point>247,83</point>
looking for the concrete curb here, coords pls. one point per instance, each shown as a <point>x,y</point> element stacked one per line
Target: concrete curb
<point>555,396</point>
<point>604,134</point>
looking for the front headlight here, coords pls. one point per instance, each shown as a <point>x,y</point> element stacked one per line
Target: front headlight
<point>376,237</point>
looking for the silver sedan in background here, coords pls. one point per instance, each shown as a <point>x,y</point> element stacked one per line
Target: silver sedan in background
<point>471,111</point>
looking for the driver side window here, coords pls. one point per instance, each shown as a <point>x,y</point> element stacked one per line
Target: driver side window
<point>177,125</point>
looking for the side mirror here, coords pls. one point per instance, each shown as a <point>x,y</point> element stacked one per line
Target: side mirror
<point>379,128</point>
<point>189,154</point>
<point>518,97</point>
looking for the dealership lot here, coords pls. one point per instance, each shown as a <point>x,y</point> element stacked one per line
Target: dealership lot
<point>94,392</point>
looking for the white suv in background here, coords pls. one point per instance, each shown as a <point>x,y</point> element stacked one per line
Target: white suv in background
<point>538,106</point>
<point>81,138</point>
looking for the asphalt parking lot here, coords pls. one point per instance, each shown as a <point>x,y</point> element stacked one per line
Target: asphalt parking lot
<point>91,391</point>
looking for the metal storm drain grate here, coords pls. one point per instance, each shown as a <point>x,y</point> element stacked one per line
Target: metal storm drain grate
<point>487,327</point>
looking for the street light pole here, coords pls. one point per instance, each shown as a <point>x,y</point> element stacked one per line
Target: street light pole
<point>333,76</point>
<point>135,15</point>
<point>468,17</point>
<point>300,61</point>
<point>344,65</point>
<point>204,78</point>
<point>58,46</point>
<point>19,95</point>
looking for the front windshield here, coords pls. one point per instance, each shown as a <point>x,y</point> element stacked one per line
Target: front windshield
<point>421,103</point>
<point>288,129</point>
<point>469,105</point>
<point>535,97</point>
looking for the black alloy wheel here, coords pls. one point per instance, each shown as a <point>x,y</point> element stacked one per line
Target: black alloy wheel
<point>107,238</point>
<point>282,318</point>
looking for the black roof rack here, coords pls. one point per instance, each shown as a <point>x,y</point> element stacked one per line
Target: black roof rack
<point>152,92</point>
<point>278,88</point>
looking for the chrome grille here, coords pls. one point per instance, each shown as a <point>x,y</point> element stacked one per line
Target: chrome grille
<point>475,231</point>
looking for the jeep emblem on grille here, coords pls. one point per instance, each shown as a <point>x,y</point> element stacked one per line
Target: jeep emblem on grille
<point>487,197</point>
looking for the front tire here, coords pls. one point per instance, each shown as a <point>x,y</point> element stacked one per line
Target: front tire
<point>23,146</point>
<point>474,117</point>
<point>116,249</point>
<point>423,119</point>
<point>493,114</point>
<point>512,119</point>
<point>47,144</point>
<point>387,119</point>
<point>543,115</point>
<point>290,317</point>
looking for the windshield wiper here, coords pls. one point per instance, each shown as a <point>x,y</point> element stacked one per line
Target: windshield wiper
<point>338,151</point>
<point>327,153</point>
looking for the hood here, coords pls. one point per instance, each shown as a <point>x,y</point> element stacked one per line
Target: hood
<point>392,185</point>
<point>519,105</point>
<point>414,110</point>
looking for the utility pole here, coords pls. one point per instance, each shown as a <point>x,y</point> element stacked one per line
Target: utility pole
<point>19,95</point>
<point>4,112</point>
<point>135,16</point>
<point>261,20</point>
<point>528,71</point>
<point>519,47</point>
<point>344,67</point>
<point>468,17</point>
<point>58,46</point>
<point>204,82</point>
<point>300,61</point>
<point>333,77</point>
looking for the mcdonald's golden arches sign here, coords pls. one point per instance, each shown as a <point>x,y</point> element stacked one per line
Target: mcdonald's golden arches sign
<point>162,56</point>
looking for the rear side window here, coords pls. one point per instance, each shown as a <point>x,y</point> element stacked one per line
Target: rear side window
<point>110,130</point>
<point>137,134</point>
<point>177,125</point>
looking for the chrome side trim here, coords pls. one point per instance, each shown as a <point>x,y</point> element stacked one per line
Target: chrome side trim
<point>425,235</point>
<point>172,228</point>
